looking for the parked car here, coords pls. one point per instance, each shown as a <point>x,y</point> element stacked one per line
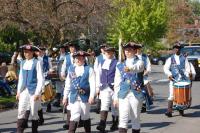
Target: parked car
<point>159,60</point>
<point>193,55</point>
<point>5,57</point>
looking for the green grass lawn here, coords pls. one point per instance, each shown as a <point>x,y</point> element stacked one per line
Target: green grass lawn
<point>7,99</point>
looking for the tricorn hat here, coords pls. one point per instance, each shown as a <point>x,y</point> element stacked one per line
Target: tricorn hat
<point>29,47</point>
<point>110,49</point>
<point>130,45</point>
<point>80,53</point>
<point>103,45</point>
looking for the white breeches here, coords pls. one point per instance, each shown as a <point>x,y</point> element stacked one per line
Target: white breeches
<point>130,105</point>
<point>26,102</point>
<point>79,109</point>
<point>171,89</point>
<point>60,86</point>
<point>106,96</point>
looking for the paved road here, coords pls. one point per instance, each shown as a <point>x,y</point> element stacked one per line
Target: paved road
<point>152,122</point>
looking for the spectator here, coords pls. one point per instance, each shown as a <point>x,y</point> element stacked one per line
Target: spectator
<point>3,70</point>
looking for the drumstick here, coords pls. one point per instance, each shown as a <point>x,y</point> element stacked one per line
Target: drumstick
<point>174,80</point>
<point>64,107</point>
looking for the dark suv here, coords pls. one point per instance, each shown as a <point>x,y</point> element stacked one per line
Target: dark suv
<point>5,57</point>
<point>193,55</point>
<point>159,60</point>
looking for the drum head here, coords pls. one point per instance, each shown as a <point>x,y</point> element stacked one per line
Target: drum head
<point>181,84</point>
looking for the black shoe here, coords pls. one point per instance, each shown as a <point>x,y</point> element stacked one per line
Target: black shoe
<point>101,128</point>
<point>81,123</point>
<point>66,126</point>
<point>168,114</point>
<point>26,125</point>
<point>181,112</point>
<point>56,104</point>
<point>143,110</point>
<point>40,122</point>
<point>114,127</point>
<point>48,107</point>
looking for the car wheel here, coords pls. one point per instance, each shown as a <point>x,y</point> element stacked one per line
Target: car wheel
<point>160,62</point>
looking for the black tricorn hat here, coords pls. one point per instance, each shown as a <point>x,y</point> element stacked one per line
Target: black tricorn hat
<point>72,43</point>
<point>177,45</point>
<point>139,45</point>
<point>110,49</point>
<point>80,53</point>
<point>42,48</point>
<point>103,45</point>
<point>61,46</point>
<point>29,47</point>
<point>130,45</point>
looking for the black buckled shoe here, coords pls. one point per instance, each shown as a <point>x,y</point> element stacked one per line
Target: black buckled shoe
<point>168,114</point>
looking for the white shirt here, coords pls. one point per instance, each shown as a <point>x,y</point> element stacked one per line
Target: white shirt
<point>79,70</point>
<point>167,65</point>
<point>97,70</point>
<point>135,68</point>
<point>64,68</point>
<point>40,79</point>
<point>192,70</point>
<point>148,67</point>
<point>96,63</point>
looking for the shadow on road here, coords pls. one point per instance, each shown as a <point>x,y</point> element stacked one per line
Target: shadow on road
<point>157,111</point>
<point>195,107</point>
<point>8,130</point>
<point>51,131</point>
<point>8,123</point>
<point>156,125</point>
<point>194,114</point>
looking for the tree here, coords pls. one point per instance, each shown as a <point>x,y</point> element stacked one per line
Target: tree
<point>195,7</point>
<point>56,20</point>
<point>181,15</point>
<point>143,21</point>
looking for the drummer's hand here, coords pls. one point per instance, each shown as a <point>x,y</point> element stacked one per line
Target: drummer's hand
<point>116,103</point>
<point>126,69</point>
<point>145,73</point>
<point>97,92</point>
<point>17,96</point>
<point>170,78</point>
<point>91,100</point>
<point>190,76</point>
<point>65,102</point>
<point>36,97</point>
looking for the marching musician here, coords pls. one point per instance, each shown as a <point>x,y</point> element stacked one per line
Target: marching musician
<point>147,70</point>
<point>60,83</point>
<point>105,84</point>
<point>29,88</point>
<point>46,61</point>
<point>127,82</point>
<point>47,68</point>
<point>79,91</point>
<point>177,68</point>
<point>97,62</point>
<point>68,61</point>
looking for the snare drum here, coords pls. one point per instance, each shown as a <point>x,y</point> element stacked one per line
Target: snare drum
<point>48,93</point>
<point>182,93</point>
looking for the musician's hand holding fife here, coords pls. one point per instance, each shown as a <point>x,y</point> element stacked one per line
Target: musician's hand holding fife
<point>65,102</point>
<point>170,78</point>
